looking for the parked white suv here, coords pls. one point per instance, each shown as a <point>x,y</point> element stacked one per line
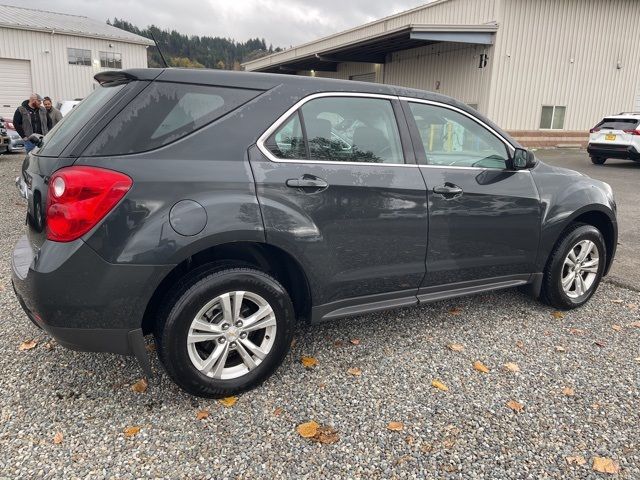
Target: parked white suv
<point>617,136</point>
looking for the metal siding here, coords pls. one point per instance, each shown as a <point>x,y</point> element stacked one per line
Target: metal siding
<point>440,12</point>
<point>346,70</point>
<point>455,66</point>
<point>51,73</point>
<point>532,66</point>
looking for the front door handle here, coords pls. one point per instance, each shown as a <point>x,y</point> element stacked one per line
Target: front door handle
<point>448,190</point>
<point>309,182</point>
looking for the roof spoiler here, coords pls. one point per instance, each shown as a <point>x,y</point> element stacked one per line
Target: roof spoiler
<point>114,77</point>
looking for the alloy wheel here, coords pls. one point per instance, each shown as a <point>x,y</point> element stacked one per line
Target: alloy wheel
<point>580,269</point>
<point>231,335</point>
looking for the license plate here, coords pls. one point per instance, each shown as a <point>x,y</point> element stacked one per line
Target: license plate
<point>610,136</point>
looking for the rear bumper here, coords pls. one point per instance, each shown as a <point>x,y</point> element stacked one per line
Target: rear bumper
<point>626,152</point>
<point>83,302</point>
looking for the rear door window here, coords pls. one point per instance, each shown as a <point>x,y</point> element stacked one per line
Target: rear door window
<point>163,113</point>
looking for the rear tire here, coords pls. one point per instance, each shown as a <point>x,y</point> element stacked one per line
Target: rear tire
<point>598,160</point>
<point>204,337</point>
<point>575,267</point>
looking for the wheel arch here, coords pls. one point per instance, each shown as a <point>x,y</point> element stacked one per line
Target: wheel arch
<point>262,256</point>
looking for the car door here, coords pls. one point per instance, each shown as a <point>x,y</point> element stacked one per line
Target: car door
<point>339,190</point>
<point>484,219</point>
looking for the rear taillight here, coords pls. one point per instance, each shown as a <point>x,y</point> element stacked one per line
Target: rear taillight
<point>79,197</point>
<point>632,132</point>
<point>594,130</point>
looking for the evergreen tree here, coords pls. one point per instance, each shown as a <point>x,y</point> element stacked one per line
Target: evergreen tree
<point>197,52</point>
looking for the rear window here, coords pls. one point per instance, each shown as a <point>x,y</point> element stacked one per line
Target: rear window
<point>163,113</point>
<point>66,129</point>
<point>618,124</point>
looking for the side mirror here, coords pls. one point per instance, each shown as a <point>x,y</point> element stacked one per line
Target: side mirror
<point>36,139</point>
<point>522,159</point>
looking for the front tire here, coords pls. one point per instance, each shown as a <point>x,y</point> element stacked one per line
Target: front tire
<point>575,268</point>
<point>225,331</point>
<point>598,160</point>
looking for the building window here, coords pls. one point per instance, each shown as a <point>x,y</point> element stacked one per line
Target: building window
<point>78,56</point>
<point>552,117</point>
<point>110,60</point>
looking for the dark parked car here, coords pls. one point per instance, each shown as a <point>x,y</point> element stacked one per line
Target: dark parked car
<point>215,209</point>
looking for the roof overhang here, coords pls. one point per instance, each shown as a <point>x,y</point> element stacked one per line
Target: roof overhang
<point>374,49</point>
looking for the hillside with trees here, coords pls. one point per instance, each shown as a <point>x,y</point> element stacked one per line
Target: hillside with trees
<point>193,51</point>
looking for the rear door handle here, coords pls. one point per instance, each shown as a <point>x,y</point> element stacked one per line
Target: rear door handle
<point>307,182</point>
<point>448,190</point>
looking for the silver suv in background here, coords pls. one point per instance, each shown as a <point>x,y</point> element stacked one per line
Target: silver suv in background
<point>617,136</point>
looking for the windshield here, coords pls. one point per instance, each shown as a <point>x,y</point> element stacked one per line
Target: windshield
<point>71,124</point>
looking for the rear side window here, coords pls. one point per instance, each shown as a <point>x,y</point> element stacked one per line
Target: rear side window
<point>617,124</point>
<point>163,113</point>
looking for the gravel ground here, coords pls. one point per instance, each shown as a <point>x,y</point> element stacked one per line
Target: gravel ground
<point>465,432</point>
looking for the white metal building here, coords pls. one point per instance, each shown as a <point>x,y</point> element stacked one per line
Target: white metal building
<point>546,70</point>
<point>57,55</point>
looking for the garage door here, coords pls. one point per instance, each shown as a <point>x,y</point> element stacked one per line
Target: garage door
<point>15,84</point>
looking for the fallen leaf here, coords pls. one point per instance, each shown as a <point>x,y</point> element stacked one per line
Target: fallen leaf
<point>140,386</point>
<point>560,349</point>
<point>480,367</point>
<point>150,347</point>
<point>635,324</point>
<point>326,435</point>
<point>27,345</point>
<point>355,341</point>
<point>57,438</point>
<point>427,447</point>
<point>558,315</point>
<point>617,300</point>
<point>455,311</point>
<point>355,371</point>
<point>309,362</point>
<point>228,401</point>
<point>515,406</point>
<point>576,331</point>
<point>455,347</point>
<point>131,431</point>
<point>605,465</point>
<point>409,440</point>
<point>294,342</point>
<point>520,345</point>
<point>512,367</point>
<point>278,411</point>
<point>439,385</point>
<point>576,460</point>
<point>600,344</point>
<point>338,343</point>
<point>617,328</point>
<point>637,359</point>
<point>395,426</point>
<point>202,414</point>
<point>49,345</point>
<point>568,391</point>
<point>632,306</point>
<point>308,429</point>
<point>449,442</point>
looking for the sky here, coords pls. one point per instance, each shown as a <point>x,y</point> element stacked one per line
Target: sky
<point>283,23</point>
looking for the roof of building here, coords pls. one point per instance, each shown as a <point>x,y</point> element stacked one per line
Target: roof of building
<point>53,22</point>
<point>435,21</point>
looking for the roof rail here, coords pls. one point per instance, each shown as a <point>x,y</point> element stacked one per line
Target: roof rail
<point>629,113</point>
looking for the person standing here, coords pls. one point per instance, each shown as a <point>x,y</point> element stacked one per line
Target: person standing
<point>53,114</point>
<point>30,118</point>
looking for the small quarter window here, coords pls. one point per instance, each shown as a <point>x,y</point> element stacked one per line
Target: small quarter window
<point>453,139</point>
<point>287,142</point>
<point>163,113</point>
<point>552,117</point>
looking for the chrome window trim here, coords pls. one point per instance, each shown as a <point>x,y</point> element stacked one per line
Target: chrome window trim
<point>278,123</point>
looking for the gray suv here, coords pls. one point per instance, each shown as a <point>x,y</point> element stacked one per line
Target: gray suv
<point>216,209</point>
